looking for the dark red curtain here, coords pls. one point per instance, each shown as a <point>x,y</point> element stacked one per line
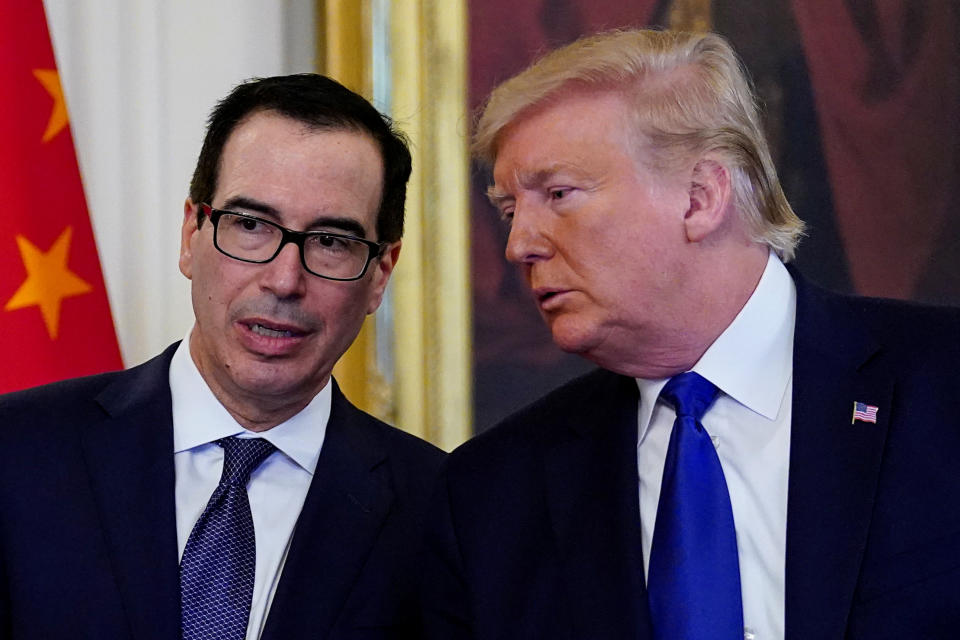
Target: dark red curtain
<point>887,96</point>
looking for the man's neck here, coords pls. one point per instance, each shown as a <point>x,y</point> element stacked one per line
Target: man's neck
<point>720,293</point>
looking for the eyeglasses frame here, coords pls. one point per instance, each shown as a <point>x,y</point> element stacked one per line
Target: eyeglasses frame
<point>287,236</point>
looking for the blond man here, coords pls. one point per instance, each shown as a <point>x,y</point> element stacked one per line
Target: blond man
<point>755,457</point>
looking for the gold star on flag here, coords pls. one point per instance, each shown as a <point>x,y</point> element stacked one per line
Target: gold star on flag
<point>49,280</point>
<point>50,80</point>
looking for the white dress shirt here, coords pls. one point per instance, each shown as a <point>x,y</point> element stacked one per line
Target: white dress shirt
<point>752,364</point>
<point>277,488</point>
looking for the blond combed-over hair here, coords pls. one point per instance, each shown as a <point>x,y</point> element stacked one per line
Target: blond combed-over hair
<point>689,96</point>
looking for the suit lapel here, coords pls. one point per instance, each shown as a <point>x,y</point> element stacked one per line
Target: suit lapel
<point>591,482</point>
<point>130,462</point>
<point>834,464</point>
<point>348,501</point>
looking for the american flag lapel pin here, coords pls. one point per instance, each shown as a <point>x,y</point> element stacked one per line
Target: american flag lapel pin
<point>864,413</point>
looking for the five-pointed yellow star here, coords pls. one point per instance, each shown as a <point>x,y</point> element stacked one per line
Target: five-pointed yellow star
<point>48,281</point>
<point>50,80</point>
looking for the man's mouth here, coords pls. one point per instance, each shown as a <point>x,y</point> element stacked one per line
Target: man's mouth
<point>261,330</point>
<point>272,332</point>
<point>542,294</point>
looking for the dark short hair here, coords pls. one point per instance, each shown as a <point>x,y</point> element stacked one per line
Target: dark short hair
<point>319,103</point>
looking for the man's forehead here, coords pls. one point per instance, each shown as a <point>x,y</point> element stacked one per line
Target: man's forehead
<point>255,122</point>
<point>272,139</point>
<point>567,114</point>
<point>298,174</point>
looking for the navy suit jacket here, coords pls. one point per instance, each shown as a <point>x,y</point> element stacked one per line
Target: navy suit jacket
<point>88,542</point>
<point>536,530</point>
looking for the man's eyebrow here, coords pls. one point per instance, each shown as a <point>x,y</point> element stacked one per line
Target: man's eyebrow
<point>342,224</point>
<point>496,196</point>
<point>347,225</point>
<point>533,180</point>
<point>541,176</point>
<point>250,204</point>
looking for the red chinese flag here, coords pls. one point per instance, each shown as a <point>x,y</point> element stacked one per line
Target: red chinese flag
<point>54,314</point>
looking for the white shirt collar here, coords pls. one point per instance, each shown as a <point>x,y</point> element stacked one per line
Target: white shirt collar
<point>199,418</point>
<point>752,360</point>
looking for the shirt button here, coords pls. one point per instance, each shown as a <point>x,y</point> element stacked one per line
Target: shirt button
<point>749,634</point>
<point>716,441</point>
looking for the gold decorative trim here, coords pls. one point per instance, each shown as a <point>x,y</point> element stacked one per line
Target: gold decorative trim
<point>344,44</point>
<point>691,15</point>
<point>433,386</point>
<point>344,54</point>
<point>432,394</point>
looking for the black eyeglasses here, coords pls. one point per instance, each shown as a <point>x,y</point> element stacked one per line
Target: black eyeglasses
<point>333,256</point>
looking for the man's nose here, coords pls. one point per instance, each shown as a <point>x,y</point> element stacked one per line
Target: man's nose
<point>285,275</point>
<point>527,243</point>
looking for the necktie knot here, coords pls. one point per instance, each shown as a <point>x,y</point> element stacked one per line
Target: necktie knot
<point>241,456</point>
<point>694,574</point>
<point>690,394</point>
<point>218,567</point>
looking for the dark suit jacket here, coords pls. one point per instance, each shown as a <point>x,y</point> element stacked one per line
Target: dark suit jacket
<point>88,544</point>
<point>537,528</point>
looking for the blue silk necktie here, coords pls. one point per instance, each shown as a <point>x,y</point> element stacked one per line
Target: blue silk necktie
<point>219,561</point>
<point>694,574</point>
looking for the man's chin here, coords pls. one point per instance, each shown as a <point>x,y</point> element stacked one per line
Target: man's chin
<point>274,381</point>
<point>573,337</point>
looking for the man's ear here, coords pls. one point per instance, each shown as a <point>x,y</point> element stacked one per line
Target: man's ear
<point>382,267</point>
<point>187,233</point>
<point>710,194</point>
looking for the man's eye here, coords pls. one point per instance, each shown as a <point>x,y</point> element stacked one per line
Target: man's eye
<point>244,225</point>
<point>330,243</point>
<point>559,194</point>
<point>506,215</point>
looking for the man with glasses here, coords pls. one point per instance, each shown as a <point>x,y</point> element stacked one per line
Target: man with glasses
<point>226,488</point>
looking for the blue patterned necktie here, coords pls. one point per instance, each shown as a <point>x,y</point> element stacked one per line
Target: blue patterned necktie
<point>218,564</point>
<point>694,575</point>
